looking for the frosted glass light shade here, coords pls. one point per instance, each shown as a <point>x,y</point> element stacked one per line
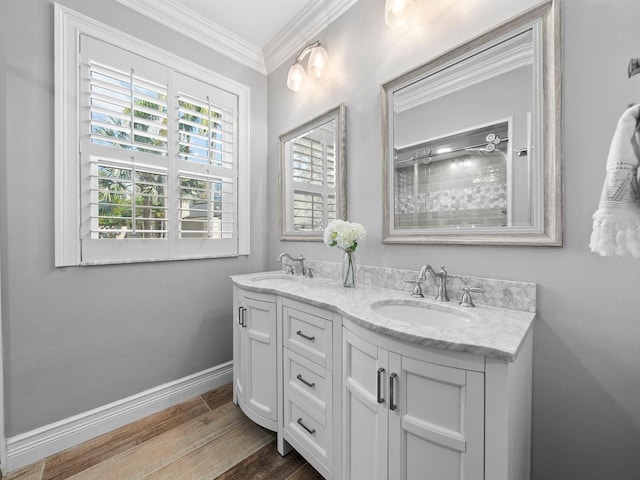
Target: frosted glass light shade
<point>397,13</point>
<point>318,60</point>
<point>296,77</point>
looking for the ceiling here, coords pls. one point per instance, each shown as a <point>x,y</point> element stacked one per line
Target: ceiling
<point>261,34</point>
<point>257,21</point>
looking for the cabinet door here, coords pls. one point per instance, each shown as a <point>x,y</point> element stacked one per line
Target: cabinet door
<point>365,410</point>
<point>436,421</point>
<point>239,357</point>
<point>260,358</point>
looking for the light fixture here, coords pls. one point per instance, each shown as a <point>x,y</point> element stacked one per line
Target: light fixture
<point>296,77</point>
<point>318,60</point>
<point>397,13</point>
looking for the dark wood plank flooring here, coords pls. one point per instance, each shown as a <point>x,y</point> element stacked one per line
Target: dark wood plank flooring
<point>205,438</point>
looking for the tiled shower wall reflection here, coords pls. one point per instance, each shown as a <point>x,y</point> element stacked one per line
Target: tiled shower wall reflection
<point>466,191</point>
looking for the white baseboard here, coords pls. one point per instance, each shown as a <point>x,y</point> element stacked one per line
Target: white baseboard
<point>37,444</point>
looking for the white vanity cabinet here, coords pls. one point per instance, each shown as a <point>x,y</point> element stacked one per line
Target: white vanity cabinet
<point>254,356</point>
<point>359,404</point>
<point>414,413</point>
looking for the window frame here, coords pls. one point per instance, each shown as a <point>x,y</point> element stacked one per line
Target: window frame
<point>69,26</point>
<point>288,187</point>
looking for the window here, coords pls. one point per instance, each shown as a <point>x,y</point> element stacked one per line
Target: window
<point>313,178</point>
<point>149,161</point>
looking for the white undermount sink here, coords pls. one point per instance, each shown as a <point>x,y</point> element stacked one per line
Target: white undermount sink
<point>422,313</point>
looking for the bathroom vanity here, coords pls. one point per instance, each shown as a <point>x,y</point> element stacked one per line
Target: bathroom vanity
<point>370,383</point>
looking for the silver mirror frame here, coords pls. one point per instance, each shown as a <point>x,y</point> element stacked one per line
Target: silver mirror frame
<point>550,234</point>
<point>339,115</point>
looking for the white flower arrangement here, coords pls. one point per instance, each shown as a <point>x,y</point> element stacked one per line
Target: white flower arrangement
<point>344,235</point>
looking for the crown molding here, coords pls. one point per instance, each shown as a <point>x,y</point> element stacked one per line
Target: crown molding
<point>311,20</point>
<point>315,17</point>
<point>187,22</point>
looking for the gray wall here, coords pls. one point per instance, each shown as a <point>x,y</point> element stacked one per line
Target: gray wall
<point>78,338</point>
<point>586,415</point>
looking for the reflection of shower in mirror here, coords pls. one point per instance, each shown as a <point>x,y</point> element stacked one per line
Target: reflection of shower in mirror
<point>472,141</point>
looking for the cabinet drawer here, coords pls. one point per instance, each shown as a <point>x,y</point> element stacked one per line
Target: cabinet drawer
<point>308,335</point>
<point>306,428</point>
<point>307,380</point>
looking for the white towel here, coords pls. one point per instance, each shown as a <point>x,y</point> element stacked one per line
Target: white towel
<point>616,223</point>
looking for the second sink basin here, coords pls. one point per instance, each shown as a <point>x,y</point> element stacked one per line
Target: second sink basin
<point>422,313</point>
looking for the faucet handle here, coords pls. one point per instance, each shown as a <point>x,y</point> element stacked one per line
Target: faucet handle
<point>417,290</point>
<point>417,280</point>
<point>290,270</point>
<point>417,287</point>
<point>466,300</point>
<point>309,272</point>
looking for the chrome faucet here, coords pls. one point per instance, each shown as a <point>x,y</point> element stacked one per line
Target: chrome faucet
<point>304,271</point>
<point>440,278</point>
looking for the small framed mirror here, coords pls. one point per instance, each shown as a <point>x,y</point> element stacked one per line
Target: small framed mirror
<point>313,176</point>
<point>472,140</point>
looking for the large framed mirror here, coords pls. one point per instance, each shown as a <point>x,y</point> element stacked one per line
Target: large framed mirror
<point>313,188</point>
<point>472,140</point>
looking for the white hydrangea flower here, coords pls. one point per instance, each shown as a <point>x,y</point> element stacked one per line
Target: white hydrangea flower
<point>344,235</point>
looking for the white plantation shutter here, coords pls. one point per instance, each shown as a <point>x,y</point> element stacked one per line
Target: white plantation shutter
<point>147,158</point>
<point>206,207</point>
<point>127,111</point>
<point>128,201</point>
<point>207,167</point>
<point>205,131</point>
<point>308,211</point>
<point>159,168</point>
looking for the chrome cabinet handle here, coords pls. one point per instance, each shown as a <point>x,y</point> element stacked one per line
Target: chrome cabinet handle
<point>244,317</point>
<point>379,389</point>
<point>240,316</point>
<point>308,384</point>
<point>392,405</point>
<point>311,339</point>
<point>312,431</point>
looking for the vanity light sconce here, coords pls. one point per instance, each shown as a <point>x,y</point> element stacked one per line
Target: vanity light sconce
<point>318,60</point>
<point>397,13</point>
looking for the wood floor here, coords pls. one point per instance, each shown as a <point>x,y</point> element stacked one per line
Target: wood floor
<point>205,438</point>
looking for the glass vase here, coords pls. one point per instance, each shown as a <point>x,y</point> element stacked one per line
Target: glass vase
<point>349,269</point>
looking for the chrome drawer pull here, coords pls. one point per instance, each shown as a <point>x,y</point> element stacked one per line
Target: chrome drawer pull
<point>312,431</point>
<point>308,384</point>
<point>379,392</point>
<point>240,316</point>
<point>311,339</point>
<point>392,405</point>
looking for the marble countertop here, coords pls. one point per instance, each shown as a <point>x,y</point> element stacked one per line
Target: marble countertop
<point>492,331</point>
